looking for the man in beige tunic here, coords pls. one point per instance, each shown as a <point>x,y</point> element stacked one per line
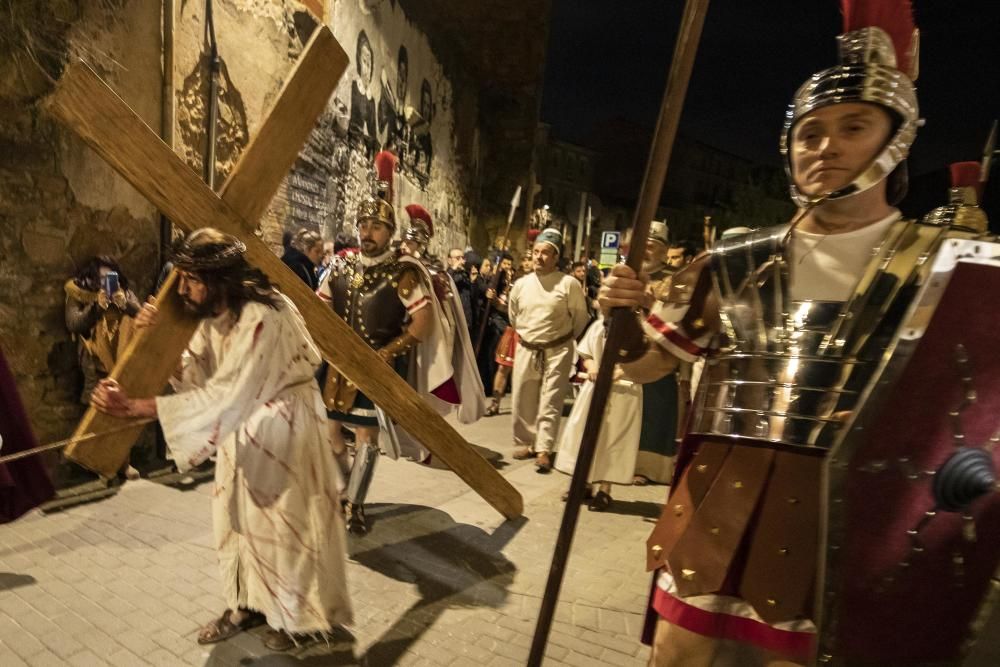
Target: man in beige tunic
<point>548,310</point>
<point>246,393</point>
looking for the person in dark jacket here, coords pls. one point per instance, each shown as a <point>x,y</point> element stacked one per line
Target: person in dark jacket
<point>458,273</point>
<point>303,256</point>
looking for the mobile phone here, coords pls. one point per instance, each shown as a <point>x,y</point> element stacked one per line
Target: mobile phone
<point>110,283</point>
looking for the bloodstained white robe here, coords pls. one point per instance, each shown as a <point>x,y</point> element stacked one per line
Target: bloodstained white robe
<point>247,394</point>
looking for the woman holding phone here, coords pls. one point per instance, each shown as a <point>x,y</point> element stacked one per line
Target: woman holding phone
<point>100,311</point>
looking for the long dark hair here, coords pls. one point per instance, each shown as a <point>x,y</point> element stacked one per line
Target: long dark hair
<point>216,260</point>
<point>89,277</point>
<point>238,285</point>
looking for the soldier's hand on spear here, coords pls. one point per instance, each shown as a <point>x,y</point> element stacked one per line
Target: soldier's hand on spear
<point>623,288</point>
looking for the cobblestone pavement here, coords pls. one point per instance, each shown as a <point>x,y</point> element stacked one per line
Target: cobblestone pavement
<point>441,579</point>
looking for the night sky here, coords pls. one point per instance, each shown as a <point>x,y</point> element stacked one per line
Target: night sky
<point>609,60</point>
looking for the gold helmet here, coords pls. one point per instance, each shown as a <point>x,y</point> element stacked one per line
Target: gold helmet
<point>376,208</point>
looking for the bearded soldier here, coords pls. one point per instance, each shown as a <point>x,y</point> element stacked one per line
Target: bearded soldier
<point>386,303</point>
<point>795,320</point>
<point>246,393</point>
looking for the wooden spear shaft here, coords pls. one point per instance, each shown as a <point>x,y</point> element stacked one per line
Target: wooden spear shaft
<point>624,323</point>
<point>131,424</point>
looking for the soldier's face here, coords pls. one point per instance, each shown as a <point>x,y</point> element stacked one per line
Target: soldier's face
<point>676,258</point>
<point>375,237</point>
<point>411,248</point>
<point>833,144</point>
<point>655,251</point>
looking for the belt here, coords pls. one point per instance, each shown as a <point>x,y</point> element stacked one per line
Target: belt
<point>538,349</point>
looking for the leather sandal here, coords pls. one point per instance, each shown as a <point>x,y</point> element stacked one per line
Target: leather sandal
<point>600,502</point>
<point>223,628</point>
<point>543,463</point>
<point>523,452</point>
<point>278,640</point>
<point>493,409</point>
<point>357,522</point>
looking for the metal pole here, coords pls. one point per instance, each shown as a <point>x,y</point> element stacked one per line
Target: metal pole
<point>214,66</point>
<point>624,324</point>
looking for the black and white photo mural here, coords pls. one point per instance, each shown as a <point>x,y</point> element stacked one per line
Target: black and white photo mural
<point>395,96</point>
<point>361,129</point>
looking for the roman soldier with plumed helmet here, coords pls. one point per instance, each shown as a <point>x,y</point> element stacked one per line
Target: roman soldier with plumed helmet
<point>801,325</point>
<point>446,375</point>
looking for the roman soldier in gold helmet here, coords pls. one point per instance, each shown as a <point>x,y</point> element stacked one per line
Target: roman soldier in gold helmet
<point>386,303</point>
<point>834,497</point>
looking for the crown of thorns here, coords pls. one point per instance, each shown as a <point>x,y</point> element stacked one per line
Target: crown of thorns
<point>211,256</point>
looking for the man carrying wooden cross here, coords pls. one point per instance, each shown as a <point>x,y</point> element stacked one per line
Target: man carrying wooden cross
<point>246,393</point>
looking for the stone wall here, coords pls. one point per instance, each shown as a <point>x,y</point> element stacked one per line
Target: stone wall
<point>59,203</point>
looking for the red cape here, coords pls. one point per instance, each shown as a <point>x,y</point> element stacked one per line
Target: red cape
<point>24,484</point>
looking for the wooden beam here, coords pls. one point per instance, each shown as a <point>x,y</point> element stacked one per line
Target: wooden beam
<point>87,106</point>
<point>147,362</point>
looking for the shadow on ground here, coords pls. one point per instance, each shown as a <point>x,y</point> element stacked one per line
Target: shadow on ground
<point>494,458</point>
<point>10,580</point>
<point>450,564</point>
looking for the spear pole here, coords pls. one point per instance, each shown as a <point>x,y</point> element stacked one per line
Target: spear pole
<point>71,441</point>
<point>624,324</point>
<point>495,278</point>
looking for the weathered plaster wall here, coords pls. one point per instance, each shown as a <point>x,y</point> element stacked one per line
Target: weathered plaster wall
<point>60,203</point>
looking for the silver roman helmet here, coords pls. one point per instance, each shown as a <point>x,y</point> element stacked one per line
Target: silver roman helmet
<point>872,69</point>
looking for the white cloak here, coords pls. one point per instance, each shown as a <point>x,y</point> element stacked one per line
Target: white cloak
<point>247,394</point>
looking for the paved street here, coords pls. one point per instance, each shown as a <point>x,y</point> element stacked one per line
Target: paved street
<point>441,579</point>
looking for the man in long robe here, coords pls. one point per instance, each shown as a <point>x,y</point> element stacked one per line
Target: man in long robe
<point>246,393</point>
<point>548,311</point>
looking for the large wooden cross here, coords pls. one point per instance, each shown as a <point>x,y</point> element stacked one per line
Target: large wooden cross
<point>86,105</point>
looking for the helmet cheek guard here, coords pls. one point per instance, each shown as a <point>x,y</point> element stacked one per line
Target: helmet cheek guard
<point>867,73</point>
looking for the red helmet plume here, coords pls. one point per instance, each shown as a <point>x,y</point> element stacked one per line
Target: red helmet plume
<point>419,215</point>
<point>895,17</point>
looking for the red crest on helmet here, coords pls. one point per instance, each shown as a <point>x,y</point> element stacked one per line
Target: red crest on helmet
<point>418,212</point>
<point>385,168</point>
